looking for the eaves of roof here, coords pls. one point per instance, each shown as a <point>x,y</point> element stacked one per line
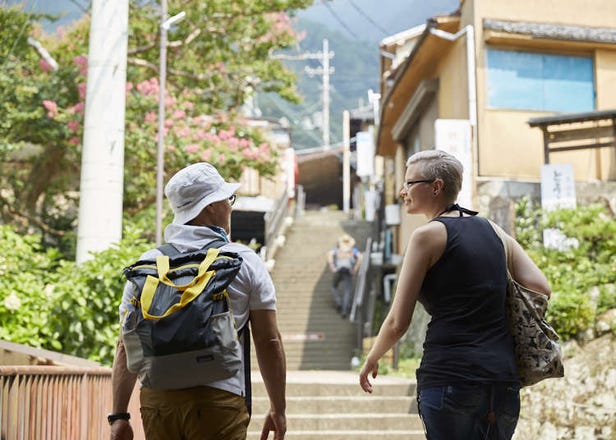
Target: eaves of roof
<point>419,65</point>
<point>553,31</point>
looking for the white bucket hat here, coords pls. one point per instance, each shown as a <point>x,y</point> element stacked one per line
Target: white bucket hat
<point>193,188</point>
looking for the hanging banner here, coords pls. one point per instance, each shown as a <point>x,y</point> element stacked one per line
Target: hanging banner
<point>364,142</point>
<point>454,137</point>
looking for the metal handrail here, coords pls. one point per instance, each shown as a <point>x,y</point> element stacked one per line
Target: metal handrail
<point>357,308</point>
<point>274,221</point>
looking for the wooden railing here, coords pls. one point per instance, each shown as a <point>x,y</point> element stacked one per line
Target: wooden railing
<point>55,402</point>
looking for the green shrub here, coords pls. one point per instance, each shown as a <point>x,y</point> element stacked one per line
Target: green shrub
<point>576,271</point>
<point>55,304</point>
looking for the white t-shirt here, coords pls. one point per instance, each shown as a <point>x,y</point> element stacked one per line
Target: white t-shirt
<point>252,288</point>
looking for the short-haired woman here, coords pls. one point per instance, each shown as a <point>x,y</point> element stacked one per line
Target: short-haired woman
<point>455,266</point>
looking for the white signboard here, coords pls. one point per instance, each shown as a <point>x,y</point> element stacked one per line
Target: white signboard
<point>557,187</point>
<point>557,191</point>
<point>364,142</point>
<point>454,136</point>
<point>290,168</point>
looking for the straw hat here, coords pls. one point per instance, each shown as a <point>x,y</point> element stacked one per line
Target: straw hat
<point>346,242</point>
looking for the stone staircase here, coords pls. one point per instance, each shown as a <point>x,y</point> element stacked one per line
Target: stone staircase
<point>324,399</point>
<point>315,336</point>
<point>331,405</point>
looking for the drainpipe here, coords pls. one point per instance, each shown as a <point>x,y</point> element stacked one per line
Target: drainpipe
<point>469,31</point>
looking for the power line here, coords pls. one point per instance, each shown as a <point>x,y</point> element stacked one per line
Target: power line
<point>342,23</point>
<point>367,17</point>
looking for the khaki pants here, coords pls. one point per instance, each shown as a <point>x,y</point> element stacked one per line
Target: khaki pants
<point>199,413</point>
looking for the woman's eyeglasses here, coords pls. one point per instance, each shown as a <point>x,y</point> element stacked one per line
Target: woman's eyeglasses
<point>232,199</point>
<point>407,185</point>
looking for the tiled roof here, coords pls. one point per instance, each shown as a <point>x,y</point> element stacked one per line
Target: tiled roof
<point>554,31</point>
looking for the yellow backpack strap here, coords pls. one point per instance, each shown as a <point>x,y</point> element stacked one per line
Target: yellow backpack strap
<point>189,291</point>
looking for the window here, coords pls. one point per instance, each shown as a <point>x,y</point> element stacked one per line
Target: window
<point>535,81</point>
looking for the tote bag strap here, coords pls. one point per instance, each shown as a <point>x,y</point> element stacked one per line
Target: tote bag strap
<point>503,237</point>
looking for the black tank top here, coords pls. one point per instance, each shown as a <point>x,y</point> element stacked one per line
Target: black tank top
<point>464,292</point>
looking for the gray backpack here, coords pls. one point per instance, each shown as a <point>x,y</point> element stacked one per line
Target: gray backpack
<point>179,330</point>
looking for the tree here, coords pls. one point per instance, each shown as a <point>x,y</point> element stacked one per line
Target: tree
<point>217,56</point>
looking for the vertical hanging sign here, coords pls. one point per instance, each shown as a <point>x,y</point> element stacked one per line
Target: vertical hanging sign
<point>557,191</point>
<point>454,137</point>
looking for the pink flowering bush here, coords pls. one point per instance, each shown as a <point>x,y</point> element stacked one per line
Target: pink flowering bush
<point>223,139</point>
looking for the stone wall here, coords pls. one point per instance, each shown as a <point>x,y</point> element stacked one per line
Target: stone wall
<point>496,199</point>
<point>579,406</point>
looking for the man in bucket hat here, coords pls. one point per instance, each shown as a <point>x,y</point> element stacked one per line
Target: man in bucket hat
<point>201,201</point>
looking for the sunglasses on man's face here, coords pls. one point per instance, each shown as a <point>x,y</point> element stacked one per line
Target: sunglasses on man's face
<point>232,199</point>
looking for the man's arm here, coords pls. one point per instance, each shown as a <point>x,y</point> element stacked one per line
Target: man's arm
<point>122,383</point>
<point>358,258</point>
<point>272,364</point>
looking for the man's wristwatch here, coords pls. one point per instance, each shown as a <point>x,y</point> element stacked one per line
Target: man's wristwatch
<point>117,416</point>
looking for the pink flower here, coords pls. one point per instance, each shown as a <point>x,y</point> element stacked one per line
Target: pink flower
<point>82,88</point>
<point>264,148</point>
<point>179,114</point>
<point>150,117</point>
<point>45,66</point>
<point>225,135</point>
<point>51,107</point>
<point>192,148</point>
<point>149,87</point>
<point>183,132</point>
<point>82,62</point>
<point>233,144</point>
<point>78,108</point>
<point>206,155</point>
<point>249,153</point>
<point>129,86</point>
<point>73,126</point>
<point>74,141</point>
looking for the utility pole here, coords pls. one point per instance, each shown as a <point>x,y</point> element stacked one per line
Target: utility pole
<point>165,24</point>
<point>102,162</point>
<point>325,70</point>
<point>346,161</point>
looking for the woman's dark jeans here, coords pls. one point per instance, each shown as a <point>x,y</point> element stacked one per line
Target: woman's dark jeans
<point>470,411</point>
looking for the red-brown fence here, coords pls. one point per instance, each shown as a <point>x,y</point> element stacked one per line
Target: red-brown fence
<point>54,402</point>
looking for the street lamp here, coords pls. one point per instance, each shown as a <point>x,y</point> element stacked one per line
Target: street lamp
<point>165,24</point>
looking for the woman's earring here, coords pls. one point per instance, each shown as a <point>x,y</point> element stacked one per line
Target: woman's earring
<point>434,192</point>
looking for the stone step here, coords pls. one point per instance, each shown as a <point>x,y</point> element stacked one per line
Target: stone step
<point>346,435</point>
<point>349,422</point>
<point>324,383</point>
<point>332,405</point>
<point>341,405</point>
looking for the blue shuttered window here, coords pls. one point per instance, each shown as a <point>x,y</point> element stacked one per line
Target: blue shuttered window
<point>535,81</point>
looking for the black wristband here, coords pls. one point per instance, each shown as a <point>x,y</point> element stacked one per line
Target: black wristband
<point>117,416</point>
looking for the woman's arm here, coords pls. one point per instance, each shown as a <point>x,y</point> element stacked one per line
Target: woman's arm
<point>524,270</point>
<point>425,247</point>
